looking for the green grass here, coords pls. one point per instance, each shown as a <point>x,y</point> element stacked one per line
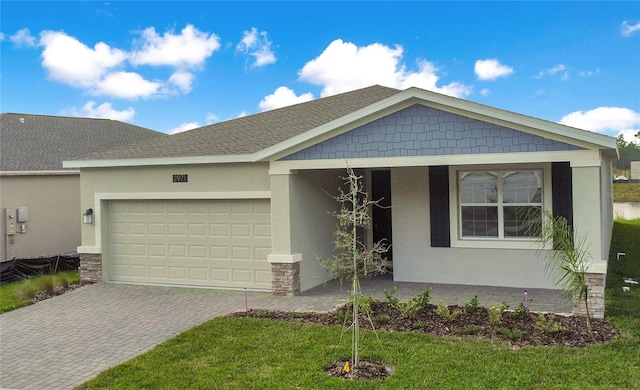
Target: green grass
<point>626,239</point>
<point>235,353</point>
<point>240,353</point>
<point>18,294</point>
<point>626,192</point>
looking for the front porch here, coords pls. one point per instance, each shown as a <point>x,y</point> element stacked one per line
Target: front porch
<point>545,300</point>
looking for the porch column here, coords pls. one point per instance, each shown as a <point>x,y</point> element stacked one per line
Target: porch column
<point>588,225</point>
<point>285,265</point>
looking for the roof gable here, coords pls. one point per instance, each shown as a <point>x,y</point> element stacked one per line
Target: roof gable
<point>545,129</point>
<point>42,142</point>
<point>425,131</point>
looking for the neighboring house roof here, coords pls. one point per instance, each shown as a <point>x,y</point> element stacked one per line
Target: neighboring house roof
<point>42,142</point>
<point>273,134</point>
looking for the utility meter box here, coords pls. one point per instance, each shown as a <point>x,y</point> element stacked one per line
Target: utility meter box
<point>9,222</point>
<point>22,214</point>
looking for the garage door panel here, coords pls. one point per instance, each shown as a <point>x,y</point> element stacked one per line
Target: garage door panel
<point>157,272</point>
<point>241,275</point>
<point>157,250</point>
<point>220,274</point>
<point>241,253</point>
<point>117,228</point>
<point>198,273</point>
<point>218,208</point>
<point>176,208</point>
<point>136,208</point>
<point>241,230</point>
<point>177,229</point>
<point>219,230</point>
<point>137,229</point>
<point>221,243</point>
<point>263,276</point>
<point>219,252</point>
<point>197,230</point>
<point>119,270</point>
<point>198,252</point>
<point>119,250</point>
<point>139,271</point>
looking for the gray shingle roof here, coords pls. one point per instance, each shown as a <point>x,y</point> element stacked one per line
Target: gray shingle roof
<point>41,142</point>
<point>252,133</point>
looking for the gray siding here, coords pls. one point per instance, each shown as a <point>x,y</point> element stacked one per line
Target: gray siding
<point>425,131</point>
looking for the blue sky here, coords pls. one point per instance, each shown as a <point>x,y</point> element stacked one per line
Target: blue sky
<point>171,66</point>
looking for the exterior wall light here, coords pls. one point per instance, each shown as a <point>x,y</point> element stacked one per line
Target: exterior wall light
<point>87,217</point>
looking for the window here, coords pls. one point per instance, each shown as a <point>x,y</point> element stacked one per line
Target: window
<point>500,204</point>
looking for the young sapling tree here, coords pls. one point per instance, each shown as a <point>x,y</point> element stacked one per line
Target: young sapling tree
<point>353,259</point>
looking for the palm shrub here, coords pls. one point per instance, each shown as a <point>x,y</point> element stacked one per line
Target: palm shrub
<point>567,257</point>
<point>353,259</point>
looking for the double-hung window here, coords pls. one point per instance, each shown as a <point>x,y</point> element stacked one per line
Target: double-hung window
<point>500,204</point>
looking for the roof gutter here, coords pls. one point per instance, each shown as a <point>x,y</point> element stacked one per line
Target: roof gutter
<point>139,162</point>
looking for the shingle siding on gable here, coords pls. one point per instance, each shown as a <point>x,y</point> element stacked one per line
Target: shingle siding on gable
<point>426,131</point>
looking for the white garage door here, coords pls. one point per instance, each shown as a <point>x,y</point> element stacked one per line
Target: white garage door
<point>216,243</point>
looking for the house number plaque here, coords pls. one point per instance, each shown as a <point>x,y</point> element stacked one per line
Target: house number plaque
<point>180,178</point>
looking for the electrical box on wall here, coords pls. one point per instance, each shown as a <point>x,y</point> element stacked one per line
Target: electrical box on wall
<point>22,214</point>
<point>9,222</point>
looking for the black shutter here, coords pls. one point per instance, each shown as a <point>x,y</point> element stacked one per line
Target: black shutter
<point>439,206</point>
<point>562,194</point>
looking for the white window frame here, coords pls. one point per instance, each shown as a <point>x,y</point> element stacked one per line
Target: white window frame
<point>457,241</point>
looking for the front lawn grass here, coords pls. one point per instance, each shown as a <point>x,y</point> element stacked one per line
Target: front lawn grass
<point>20,293</point>
<point>625,239</point>
<point>235,353</point>
<point>245,353</point>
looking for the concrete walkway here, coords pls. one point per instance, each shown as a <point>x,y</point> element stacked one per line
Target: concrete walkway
<point>451,294</point>
<point>64,341</point>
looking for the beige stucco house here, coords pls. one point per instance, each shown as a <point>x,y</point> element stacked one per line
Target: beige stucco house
<point>244,203</point>
<point>39,199</point>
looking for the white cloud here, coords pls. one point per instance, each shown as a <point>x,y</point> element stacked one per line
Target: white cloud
<point>99,70</point>
<point>71,62</point>
<point>184,127</point>
<point>188,49</point>
<point>587,73</point>
<point>553,70</point>
<point>426,78</point>
<point>1,36</point>
<point>283,96</point>
<point>485,92</point>
<point>182,80</point>
<point>126,85</point>
<point>104,111</point>
<point>23,38</point>
<point>257,45</point>
<point>491,69</point>
<point>212,118</point>
<point>626,30</point>
<point>343,66</point>
<point>609,120</point>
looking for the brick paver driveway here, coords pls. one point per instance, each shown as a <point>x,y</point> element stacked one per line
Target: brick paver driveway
<point>63,341</point>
